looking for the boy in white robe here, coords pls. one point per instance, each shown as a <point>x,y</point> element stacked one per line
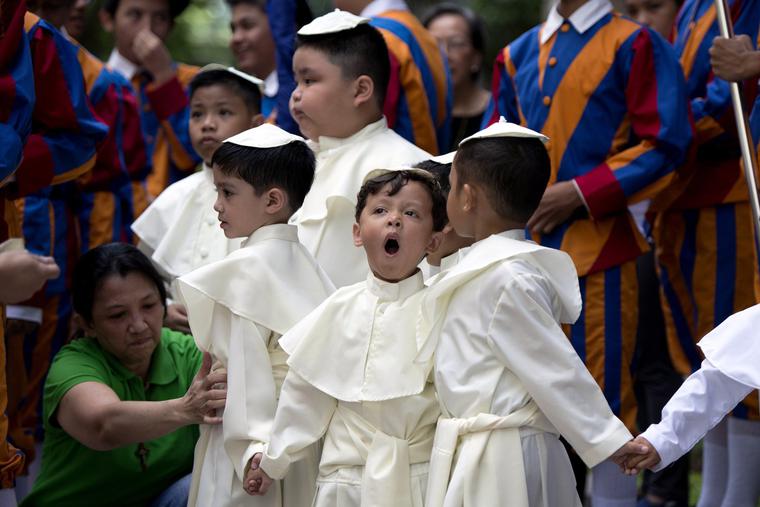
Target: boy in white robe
<point>341,70</point>
<point>353,377</point>
<point>509,382</point>
<point>240,306</point>
<point>730,371</point>
<point>179,230</point>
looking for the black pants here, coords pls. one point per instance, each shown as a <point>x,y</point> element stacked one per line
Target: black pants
<point>656,381</point>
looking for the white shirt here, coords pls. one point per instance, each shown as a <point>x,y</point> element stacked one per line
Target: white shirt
<point>326,218</point>
<point>271,84</point>
<point>582,19</point>
<point>121,65</point>
<point>730,372</point>
<point>377,7</point>
<point>701,402</point>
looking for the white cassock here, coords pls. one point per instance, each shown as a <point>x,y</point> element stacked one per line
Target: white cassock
<point>730,371</point>
<point>238,309</point>
<point>509,381</point>
<point>326,218</point>
<point>179,231</point>
<point>353,379</point>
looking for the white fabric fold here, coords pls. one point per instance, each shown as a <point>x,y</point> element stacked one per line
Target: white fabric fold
<point>386,478</point>
<point>733,348</point>
<point>557,265</point>
<point>448,435</point>
<point>363,371</point>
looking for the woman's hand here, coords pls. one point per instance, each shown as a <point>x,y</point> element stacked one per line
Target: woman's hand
<point>205,398</point>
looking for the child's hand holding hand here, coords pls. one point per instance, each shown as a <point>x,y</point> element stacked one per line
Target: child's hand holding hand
<point>635,456</point>
<point>256,481</point>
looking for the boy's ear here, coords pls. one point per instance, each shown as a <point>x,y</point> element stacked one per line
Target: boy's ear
<point>447,228</point>
<point>435,241</point>
<point>106,20</point>
<point>257,120</point>
<point>356,230</point>
<point>364,89</point>
<point>276,200</point>
<point>470,198</point>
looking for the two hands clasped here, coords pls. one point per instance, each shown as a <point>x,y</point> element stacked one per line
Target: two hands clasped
<point>256,482</point>
<point>632,458</point>
<point>635,456</point>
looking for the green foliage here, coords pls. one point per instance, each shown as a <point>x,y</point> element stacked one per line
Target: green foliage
<point>201,34</point>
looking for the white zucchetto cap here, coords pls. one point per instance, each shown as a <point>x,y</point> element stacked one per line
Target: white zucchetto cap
<point>332,22</point>
<point>264,136</point>
<point>503,128</point>
<point>446,158</point>
<point>232,70</point>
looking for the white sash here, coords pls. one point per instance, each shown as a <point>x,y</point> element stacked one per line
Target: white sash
<point>386,481</point>
<point>449,439</point>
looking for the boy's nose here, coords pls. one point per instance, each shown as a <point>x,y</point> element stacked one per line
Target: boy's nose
<point>394,221</point>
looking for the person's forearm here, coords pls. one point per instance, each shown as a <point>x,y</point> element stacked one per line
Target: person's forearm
<point>124,422</point>
<point>700,403</point>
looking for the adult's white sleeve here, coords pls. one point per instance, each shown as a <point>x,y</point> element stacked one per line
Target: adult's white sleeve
<point>700,403</point>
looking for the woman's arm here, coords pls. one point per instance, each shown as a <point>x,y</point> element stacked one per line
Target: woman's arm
<point>93,414</point>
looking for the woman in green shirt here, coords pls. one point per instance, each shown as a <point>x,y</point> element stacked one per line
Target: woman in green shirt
<point>122,404</point>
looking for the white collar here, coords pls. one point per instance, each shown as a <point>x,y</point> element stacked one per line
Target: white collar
<point>394,291</point>
<point>328,143</point>
<point>582,19</point>
<point>284,232</point>
<point>377,7</point>
<point>518,234</point>
<point>121,65</point>
<point>271,84</point>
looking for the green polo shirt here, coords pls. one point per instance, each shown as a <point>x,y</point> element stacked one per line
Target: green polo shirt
<point>75,475</point>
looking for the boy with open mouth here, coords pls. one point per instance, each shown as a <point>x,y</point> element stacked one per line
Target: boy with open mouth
<point>358,383</point>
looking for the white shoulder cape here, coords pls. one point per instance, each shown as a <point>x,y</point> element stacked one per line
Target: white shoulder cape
<point>360,344</point>
<point>734,346</point>
<point>556,265</point>
<point>272,281</point>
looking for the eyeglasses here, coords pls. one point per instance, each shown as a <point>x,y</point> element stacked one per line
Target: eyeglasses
<point>454,44</point>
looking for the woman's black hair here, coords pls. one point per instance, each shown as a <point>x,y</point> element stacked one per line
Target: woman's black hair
<point>106,260</point>
<point>474,23</point>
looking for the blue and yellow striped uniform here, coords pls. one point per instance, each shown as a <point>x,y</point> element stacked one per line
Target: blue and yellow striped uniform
<point>165,115</point>
<point>61,149</point>
<point>16,106</point>
<point>104,209</point>
<point>420,96</point>
<point>704,237</point>
<point>612,101</point>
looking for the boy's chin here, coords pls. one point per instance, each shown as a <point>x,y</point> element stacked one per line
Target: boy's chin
<point>393,273</point>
